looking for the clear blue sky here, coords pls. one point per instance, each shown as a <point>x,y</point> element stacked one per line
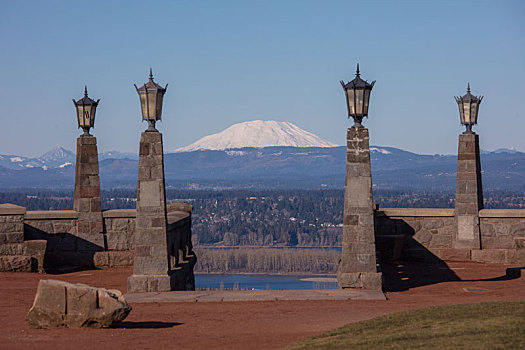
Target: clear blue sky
<point>233,61</point>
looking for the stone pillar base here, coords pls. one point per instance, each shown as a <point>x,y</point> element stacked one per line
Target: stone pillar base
<point>363,280</point>
<point>149,283</point>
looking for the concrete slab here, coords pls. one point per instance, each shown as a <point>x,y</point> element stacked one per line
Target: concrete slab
<point>254,295</point>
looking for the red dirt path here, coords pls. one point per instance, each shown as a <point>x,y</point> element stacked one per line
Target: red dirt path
<point>243,325</point>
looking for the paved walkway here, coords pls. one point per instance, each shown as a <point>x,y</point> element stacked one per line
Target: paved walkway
<point>254,295</point>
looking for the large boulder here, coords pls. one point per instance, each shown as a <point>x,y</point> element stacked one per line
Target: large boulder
<point>59,303</point>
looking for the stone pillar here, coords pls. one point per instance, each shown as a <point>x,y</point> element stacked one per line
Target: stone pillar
<point>150,256</point>
<point>469,193</point>
<point>86,202</point>
<point>357,267</point>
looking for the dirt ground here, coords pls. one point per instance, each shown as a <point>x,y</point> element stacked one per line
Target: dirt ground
<point>245,325</point>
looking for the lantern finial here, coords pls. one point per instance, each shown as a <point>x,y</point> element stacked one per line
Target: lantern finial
<point>85,90</point>
<point>150,74</point>
<point>468,87</point>
<point>357,71</point>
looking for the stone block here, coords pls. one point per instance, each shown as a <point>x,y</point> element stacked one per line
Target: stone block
<point>366,220</point>
<point>496,256</point>
<point>59,303</point>
<point>11,237</point>
<point>12,249</point>
<point>15,263</point>
<point>12,227</point>
<point>150,236</point>
<point>158,222</point>
<point>159,251</point>
<point>371,280</point>
<point>452,254</point>
<point>87,169</point>
<point>433,223</point>
<point>96,227</point>
<point>62,226</point>
<point>518,229</point>
<point>101,259</point>
<point>144,173</point>
<point>349,280</point>
<point>150,194</point>
<point>423,236</point>
<point>358,262</point>
<point>120,258</point>
<point>142,250</point>
<point>441,241</point>
<point>359,248</point>
<point>89,242</point>
<point>499,242</point>
<point>467,227</point>
<point>118,240</point>
<point>149,283</point>
<point>150,265</point>
<point>143,149</point>
<point>157,172</point>
<point>121,224</point>
<point>157,148</point>
<point>95,204</point>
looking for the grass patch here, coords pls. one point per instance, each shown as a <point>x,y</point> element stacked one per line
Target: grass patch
<point>495,325</point>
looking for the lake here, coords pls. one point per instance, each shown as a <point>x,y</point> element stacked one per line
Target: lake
<point>259,281</point>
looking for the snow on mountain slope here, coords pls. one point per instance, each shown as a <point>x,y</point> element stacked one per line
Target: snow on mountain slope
<point>258,133</point>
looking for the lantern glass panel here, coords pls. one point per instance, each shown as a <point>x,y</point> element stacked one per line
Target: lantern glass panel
<point>84,115</point>
<point>158,112</point>
<point>461,114</point>
<point>367,98</point>
<point>359,94</point>
<point>152,102</point>
<point>80,114</point>
<point>466,111</point>
<point>350,101</point>
<point>144,105</point>
<point>92,121</point>
<point>474,112</point>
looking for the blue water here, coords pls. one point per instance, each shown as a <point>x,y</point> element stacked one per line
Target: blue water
<point>338,249</point>
<point>245,281</point>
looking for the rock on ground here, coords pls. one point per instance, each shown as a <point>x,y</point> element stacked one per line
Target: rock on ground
<point>59,303</point>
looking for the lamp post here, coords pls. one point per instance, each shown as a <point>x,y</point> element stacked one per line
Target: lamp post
<point>357,266</point>
<point>468,109</point>
<point>357,94</point>
<point>86,109</point>
<point>151,95</point>
<point>86,200</point>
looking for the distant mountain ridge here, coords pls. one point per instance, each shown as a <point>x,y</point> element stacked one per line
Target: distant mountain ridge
<point>266,154</point>
<point>258,134</point>
<point>284,167</point>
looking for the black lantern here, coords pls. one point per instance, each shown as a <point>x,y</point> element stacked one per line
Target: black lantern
<point>468,109</point>
<point>357,94</point>
<point>86,109</point>
<point>151,95</point>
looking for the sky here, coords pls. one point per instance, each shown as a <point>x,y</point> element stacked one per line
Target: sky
<point>233,61</point>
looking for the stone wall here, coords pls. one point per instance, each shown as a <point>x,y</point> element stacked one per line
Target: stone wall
<point>428,234</point>
<point>15,253</point>
<point>66,248</point>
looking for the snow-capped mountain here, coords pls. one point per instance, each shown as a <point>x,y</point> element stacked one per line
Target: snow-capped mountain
<point>258,134</point>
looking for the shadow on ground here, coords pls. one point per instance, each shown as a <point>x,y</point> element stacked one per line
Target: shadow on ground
<point>148,325</point>
<point>403,276</point>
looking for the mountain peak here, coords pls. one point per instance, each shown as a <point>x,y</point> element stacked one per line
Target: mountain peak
<point>258,134</point>
<point>57,152</point>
